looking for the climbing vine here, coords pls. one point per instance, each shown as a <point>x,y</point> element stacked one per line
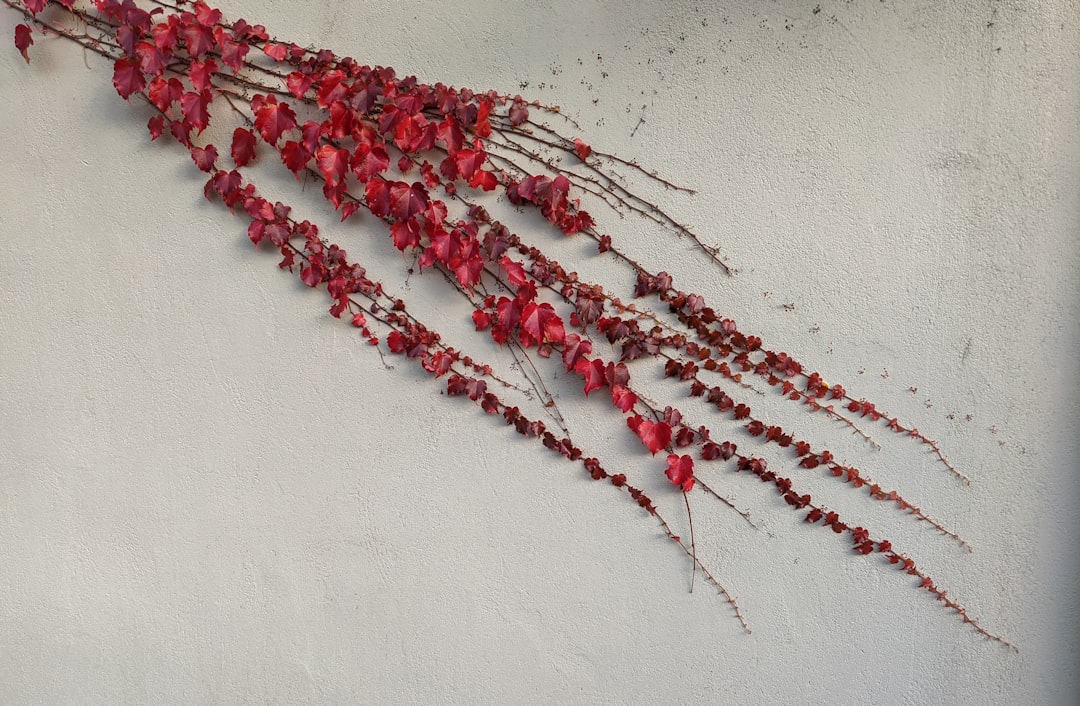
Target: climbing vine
<point>431,165</point>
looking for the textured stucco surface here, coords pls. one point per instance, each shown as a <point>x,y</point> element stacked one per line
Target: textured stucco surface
<point>211,492</point>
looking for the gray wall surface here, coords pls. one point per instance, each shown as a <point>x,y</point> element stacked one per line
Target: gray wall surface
<point>213,492</point>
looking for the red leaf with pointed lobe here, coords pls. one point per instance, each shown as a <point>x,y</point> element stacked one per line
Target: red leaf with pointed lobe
<point>298,83</point>
<point>333,163</point>
<point>395,341</point>
<point>272,118</point>
<point>233,54</point>
<point>485,180</point>
<point>23,40</point>
<point>468,161</point>
<point>156,125</point>
<point>515,272</point>
<point>581,149</point>
<point>204,158</point>
<point>406,234</point>
<point>573,349</point>
<point>623,398</point>
<point>378,197</point>
<point>200,73</point>
<point>655,435</point>
<point>164,93</point>
<point>206,15</point>
<point>407,200</point>
<point>195,107</point>
<point>35,6</point>
<point>680,471</point>
<point>277,52</point>
<point>593,372</point>
<point>481,319</point>
<point>295,156</point>
<point>198,39</point>
<point>542,324</point>
<point>349,209</point>
<point>243,146</point>
<point>127,78</point>
<point>369,160</point>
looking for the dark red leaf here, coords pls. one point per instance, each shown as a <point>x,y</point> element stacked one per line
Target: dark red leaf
<point>127,78</point>
<point>23,40</point>
<point>333,162</point>
<point>407,200</point>
<point>272,118</point>
<point>369,160</point>
<point>581,149</point>
<point>243,146</point>
<point>623,398</point>
<point>298,83</point>
<point>573,349</point>
<point>655,435</point>
<point>164,93</point>
<point>196,108</point>
<point>295,156</point>
<point>200,73</point>
<point>277,52</point>
<point>204,158</point>
<point>378,197</point>
<point>593,372</point>
<point>680,471</point>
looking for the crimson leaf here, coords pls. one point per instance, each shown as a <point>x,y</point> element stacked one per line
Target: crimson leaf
<point>23,40</point>
<point>243,146</point>
<point>655,435</point>
<point>680,471</point>
<point>127,78</point>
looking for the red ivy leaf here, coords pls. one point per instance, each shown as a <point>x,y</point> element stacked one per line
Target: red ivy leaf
<point>349,209</point>
<point>680,471</point>
<point>623,398</point>
<point>196,108</point>
<point>573,349</point>
<point>295,156</point>
<point>406,201</point>
<point>378,197</point>
<point>277,52</point>
<point>272,118</point>
<point>243,146</point>
<point>515,272</point>
<point>581,149</point>
<point>233,54</point>
<point>485,180</point>
<point>655,435</point>
<point>127,78</point>
<point>164,93</point>
<point>298,83</point>
<point>333,163</point>
<point>482,319</point>
<point>23,40</point>
<point>156,125</point>
<point>593,371</point>
<point>542,325</point>
<point>204,158</point>
<point>369,160</point>
<point>199,39</point>
<point>468,161</point>
<point>406,234</point>
<point>35,6</point>
<point>200,73</point>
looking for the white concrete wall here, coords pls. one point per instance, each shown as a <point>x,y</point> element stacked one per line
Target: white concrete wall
<point>212,492</point>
